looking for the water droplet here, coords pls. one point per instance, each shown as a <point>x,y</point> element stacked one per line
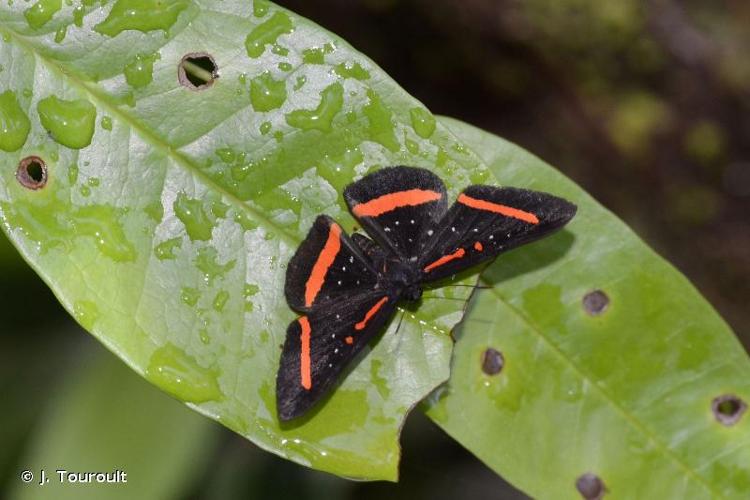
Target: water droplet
<point>139,72</point>
<point>316,55</point>
<point>352,70</point>
<point>141,15</point>
<point>423,122</point>
<point>208,262</point>
<point>221,300</point>
<point>86,313</point>
<point>478,175</point>
<point>285,66</point>
<point>265,128</point>
<point>155,211</point>
<point>260,8</point>
<point>14,124</point>
<point>102,223</point>
<point>249,291</point>
<point>219,208</point>
<point>442,157</point>
<point>245,222</point>
<point>72,174</point>
<point>205,338</point>
<point>279,50</point>
<point>339,170</point>
<point>180,374</point>
<point>266,93</point>
<point>71,123</point>
<point>107,123</point>
<point>381,122</point>
<point>60,34</point>
<point>165,250</point>
<point>332,100</point>
<point>197,222</point>
<point>190,296</point>
<point>41,12</point>
<point>78,13</point>
<point>267,33</point>
<point>301,80</point>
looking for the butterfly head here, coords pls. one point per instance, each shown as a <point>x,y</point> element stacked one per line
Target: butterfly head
<point>413,293</point>
<point>405,278</point>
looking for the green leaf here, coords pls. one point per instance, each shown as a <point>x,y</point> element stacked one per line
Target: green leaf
<point>106,419</point>
<point>625,394</point>
<point>166,234</point>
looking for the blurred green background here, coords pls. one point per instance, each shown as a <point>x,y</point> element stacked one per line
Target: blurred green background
<point>645,103</point>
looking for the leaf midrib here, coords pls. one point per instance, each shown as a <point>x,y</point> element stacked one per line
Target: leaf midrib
<point>181,160</point>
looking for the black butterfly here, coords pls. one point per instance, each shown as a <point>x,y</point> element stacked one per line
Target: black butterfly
<point>347,288</point>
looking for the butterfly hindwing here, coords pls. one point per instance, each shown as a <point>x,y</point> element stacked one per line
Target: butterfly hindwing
<point>396,205</point>
<point>327,266</point>
<point>322,343</point>
<point>486,221</point>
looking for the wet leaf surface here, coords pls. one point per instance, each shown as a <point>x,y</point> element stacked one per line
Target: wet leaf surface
<point>170,212</point>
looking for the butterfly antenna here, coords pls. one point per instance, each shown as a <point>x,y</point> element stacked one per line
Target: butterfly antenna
<point>480,287</point>
<point>400,320</point>
<point>442,298</point>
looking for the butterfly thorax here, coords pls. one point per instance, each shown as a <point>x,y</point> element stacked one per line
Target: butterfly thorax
<point>402,278</point>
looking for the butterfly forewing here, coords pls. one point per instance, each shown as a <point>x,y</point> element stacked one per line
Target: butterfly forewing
<point>326,267</point>
<point>322,343</point>
<point>348,288</point>
<point>398,206</point>
<point>486,221</point>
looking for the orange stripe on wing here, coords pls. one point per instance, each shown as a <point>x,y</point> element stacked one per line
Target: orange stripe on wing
<point>498,209</point>
<point>445,259</point>
<point>304,361</point>
<point>324,262</point>
<point>392,201</point>
<point>373,310</point>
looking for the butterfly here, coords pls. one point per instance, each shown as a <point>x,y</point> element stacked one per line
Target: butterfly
<point>347,288</point>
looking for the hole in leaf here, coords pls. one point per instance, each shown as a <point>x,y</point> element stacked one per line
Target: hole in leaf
<point>595,303</point>
<point>32,172</point>
<point>197,71</point>
<point>728,409</point>
<point>492,361</point>
<point>590,486</point>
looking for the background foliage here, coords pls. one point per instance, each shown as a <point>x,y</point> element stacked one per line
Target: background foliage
<point>645,104</point>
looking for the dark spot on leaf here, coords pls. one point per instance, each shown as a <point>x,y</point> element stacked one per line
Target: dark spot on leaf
<point>32,172</point>
<point>595,303</point>
<point>492,361</point>
<point>590,486</point>
<point>728,409</point>
<point>197,71</point>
